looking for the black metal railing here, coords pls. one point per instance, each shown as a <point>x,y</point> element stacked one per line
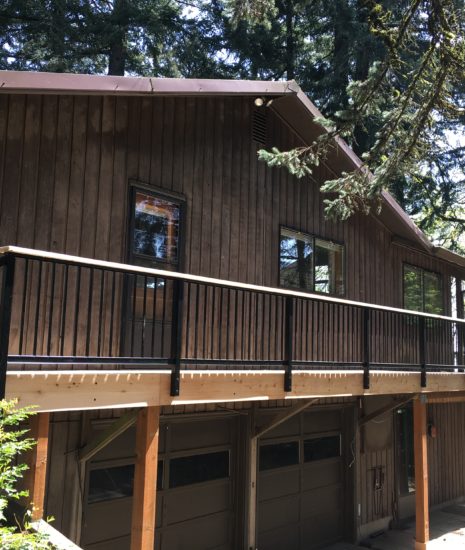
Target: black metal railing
<point>59,309</point>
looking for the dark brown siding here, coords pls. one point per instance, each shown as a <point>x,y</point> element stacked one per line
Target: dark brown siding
<point>446,452</point>
<point>66,163</point>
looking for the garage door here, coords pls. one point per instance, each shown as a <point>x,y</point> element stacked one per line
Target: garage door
<point>195,500</point>
<point>301,490</point>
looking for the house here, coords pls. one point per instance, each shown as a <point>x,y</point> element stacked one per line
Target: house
<point>215,364</point>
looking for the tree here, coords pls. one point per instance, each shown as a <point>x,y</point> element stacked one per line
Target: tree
<point>13,442</point>
<point>397,109</point>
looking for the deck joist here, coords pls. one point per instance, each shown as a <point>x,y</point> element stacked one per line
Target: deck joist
<point>64,390</point>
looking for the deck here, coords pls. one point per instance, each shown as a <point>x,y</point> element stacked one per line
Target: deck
<point>79,333</point>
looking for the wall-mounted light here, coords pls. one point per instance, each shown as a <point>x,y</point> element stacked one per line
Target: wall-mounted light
<point>259,102</point>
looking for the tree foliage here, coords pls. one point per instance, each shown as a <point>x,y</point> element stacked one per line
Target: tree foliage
<point>13,443</point>
<point>388,75</point>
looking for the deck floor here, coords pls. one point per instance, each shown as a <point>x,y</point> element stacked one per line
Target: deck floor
<point>447,532</point>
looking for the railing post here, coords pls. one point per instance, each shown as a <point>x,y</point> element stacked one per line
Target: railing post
<point>422,350</point>
<point>289,329</point>
<point>176,335</point>
<point>5,319</point>
<point>366,348</point>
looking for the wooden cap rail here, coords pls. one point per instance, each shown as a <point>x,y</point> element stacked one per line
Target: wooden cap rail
<point>127,268</point>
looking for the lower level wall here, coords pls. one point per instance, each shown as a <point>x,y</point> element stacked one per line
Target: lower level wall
<point>372,452</point>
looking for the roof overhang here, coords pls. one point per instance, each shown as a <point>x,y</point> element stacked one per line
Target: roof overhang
<point>289,102</point>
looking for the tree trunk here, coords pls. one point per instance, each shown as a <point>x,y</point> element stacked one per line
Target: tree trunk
<point>117,54</point>
<point>290,41</point>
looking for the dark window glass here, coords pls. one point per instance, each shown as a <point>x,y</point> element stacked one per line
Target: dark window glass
<point>156,228</point>
<point>115,482</point>
<point>296,260</point>
<point>422,290</point>
<point>310,264</point>
<point>110,483</point>
<point>198,468</point>
<point>319,448</point>
<point>279,455</point>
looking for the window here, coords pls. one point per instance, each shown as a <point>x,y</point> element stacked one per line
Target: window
<point>320,448</point>
<point>115,482</point>
<point>309,263</point>
<point>422,290</point>
<point>187,470</point>
<point>156,229</point>
<point>279,455</point>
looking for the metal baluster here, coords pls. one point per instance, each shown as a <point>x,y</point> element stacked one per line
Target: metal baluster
<point>289,329</point>
<point>176,336</point>
<point>366,348</point>
<point>5,318</point>
<point>422,350</point>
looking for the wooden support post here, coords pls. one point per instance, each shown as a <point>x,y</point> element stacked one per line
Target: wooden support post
<point>145,479</point>
<point>36,475</point>
<point>252,516</point>
<point>421,473</point>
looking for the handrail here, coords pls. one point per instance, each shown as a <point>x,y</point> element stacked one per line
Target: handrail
<point>133,269</point>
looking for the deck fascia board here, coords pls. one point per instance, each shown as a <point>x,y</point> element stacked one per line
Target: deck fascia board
<point>66,390</point>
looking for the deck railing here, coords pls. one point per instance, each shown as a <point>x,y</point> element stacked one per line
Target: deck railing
<point>58,309</point>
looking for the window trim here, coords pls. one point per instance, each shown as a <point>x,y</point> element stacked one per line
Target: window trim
<point>422,270</point>
<point>164,194</point>
<point>314,237</point>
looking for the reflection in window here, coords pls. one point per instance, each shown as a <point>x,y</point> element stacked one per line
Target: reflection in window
<point>296,255</point>
<point>320,448</point>
<point>111,483</point>
<point>156,228</point>
<point>308,263</point>
<point>115,482</point>
<point>187,470</point>
<point>279,455</point>
<point>329,267</point>
<point>422,290</point>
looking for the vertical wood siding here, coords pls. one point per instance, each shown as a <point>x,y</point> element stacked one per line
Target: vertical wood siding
<point>66,163</point>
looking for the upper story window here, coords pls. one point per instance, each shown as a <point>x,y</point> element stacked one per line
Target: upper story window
<point>156,229</point>
<point>422,290</point>
<point>310,263</point>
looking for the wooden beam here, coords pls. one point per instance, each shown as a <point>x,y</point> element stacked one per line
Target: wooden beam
<point>283,416</point>
<point>103,439</point>
<point>145,479</point>
<point>421,474</point>
<point>36,475</point>
<point>84,389</point>
<point>385,409</point>
<point>447,397</point>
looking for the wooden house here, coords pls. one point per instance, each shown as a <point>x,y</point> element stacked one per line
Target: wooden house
<point>215,364</point>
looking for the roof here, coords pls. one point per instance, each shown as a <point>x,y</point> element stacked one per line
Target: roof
<point>289,102</point>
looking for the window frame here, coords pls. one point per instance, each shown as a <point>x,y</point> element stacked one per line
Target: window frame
<point>163,194</point>
<point>313,237</point>
<point>423,270</point>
